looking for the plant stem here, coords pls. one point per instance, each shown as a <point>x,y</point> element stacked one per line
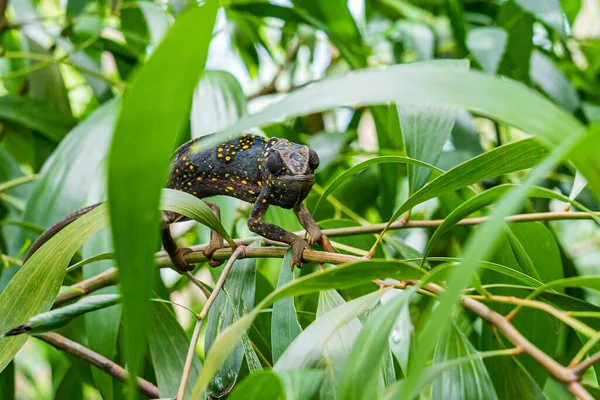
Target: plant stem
<point>18,181</point>
<point>97,360</point>
<point>240,251</point>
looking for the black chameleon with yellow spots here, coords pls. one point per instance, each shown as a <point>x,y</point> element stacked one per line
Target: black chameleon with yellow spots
<point>259,170</point>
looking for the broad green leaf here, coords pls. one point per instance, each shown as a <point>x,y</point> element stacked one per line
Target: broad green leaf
<point>284,321</point>
<point>340,277</point>
<point>489,197</point>
<point>519,382</point>
<point>7,382</point>
<point>501,160</point>
<point>188,204</point>
<point>548,12</point>
<point>431,83</point>
<point>366,358</point>
<point>401,336</point>
<point>487,44</point>
<point>350,172</point>
<point>284,385</point>
<point>339,345</point>
<point>232,303</point>
<point>552,81</point>
<point>156,104</point>
<point>425,131</point>
<point>417,37</point>
<point>218,102</point>
<point>168,345</point>
<point>469,380</point>
<point>37,115</point>
<point>57,318</point>
<point>35,286</point>
<point>307,350</point>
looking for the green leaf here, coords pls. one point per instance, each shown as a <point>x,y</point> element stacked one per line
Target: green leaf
<point>425,131</point>
<point>348,275</point>
<point>137,172</point>
<point>232,303</point>
<point>549,78</point>
<point>487,44</point>
<point>52,320</point>
<point>518,25</point>
<point>366,357</point>
<point>307,350</point>
<point>489,197</point>
<point>284,321</point>
<point>187,204</point>
<point>168,345</point>
<point>548,12</point>
<point>37,115</point>
<point>350,172</point>
<point>218,102</point>
<point>35,286</point>
<point>284,385</point>
<point>469,380</point>
<point>338,346</point>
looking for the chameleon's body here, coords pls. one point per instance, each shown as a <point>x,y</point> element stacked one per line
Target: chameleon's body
<point>255,169</point>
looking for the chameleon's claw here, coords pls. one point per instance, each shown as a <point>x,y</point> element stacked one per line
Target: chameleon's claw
<point>298,248</point>
<point>325,244</point>
<point>179,263</point>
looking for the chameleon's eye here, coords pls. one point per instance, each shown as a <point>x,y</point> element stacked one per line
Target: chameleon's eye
<point>313,159</point>
<point>274,162</point>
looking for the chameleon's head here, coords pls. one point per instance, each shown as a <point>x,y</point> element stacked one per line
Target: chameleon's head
<point>288,171</point>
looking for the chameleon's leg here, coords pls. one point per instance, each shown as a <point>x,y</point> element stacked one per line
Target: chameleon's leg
<point>175,252</point>
<point>273,232</point>
<point>216,241</point>
<point>314,232</point>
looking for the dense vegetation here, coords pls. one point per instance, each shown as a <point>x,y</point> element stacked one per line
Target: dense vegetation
<point>436,122</point>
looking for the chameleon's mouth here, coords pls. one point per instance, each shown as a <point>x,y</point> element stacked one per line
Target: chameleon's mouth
<point>309,178</point>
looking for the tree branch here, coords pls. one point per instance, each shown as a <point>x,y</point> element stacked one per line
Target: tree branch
<point>270,87</point>
<point>97,360</point>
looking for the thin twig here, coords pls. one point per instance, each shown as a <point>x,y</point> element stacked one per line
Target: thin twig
<point>585,364</point>
<point>198,283</point>
<point>97,360</point>
<point>240,251</point>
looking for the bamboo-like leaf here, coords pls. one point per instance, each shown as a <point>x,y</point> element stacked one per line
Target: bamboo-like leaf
<point>552,81</point>
<point>469,380</point>
<point>284,321</point>
<point>547,11</point>
<point>168,345</point>
<point>187,204</point>
<point>52,320</point>
<point>367,354</point>
<point>232,303</point>
<point>156,104</point>
<point>307,349</point>
<point>284,385</point>
<point>337,348</point>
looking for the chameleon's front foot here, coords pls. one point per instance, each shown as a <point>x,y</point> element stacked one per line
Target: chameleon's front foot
<point>298,247</point>
<point>208,253</point>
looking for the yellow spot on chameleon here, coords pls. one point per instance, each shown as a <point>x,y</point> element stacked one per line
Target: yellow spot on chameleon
<point>259,183</point>
<point>245,147</point>
<point>219,155</point>
<point>259,167</point>
<point>199,178</point>
<point>229,187</point>
<point>233,153</point>
<point>189,183</point>
<point>220,149</point>
<point>214,179</point>
<point>177,170</point>
<point>251,191</point>
<point>264,200</point>
<point>191,167</point>
<point>227,158</point>
<point>184,158</point>
<point>244,182</point>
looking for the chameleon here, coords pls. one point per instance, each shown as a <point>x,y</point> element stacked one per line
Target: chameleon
<point>259,170</point>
